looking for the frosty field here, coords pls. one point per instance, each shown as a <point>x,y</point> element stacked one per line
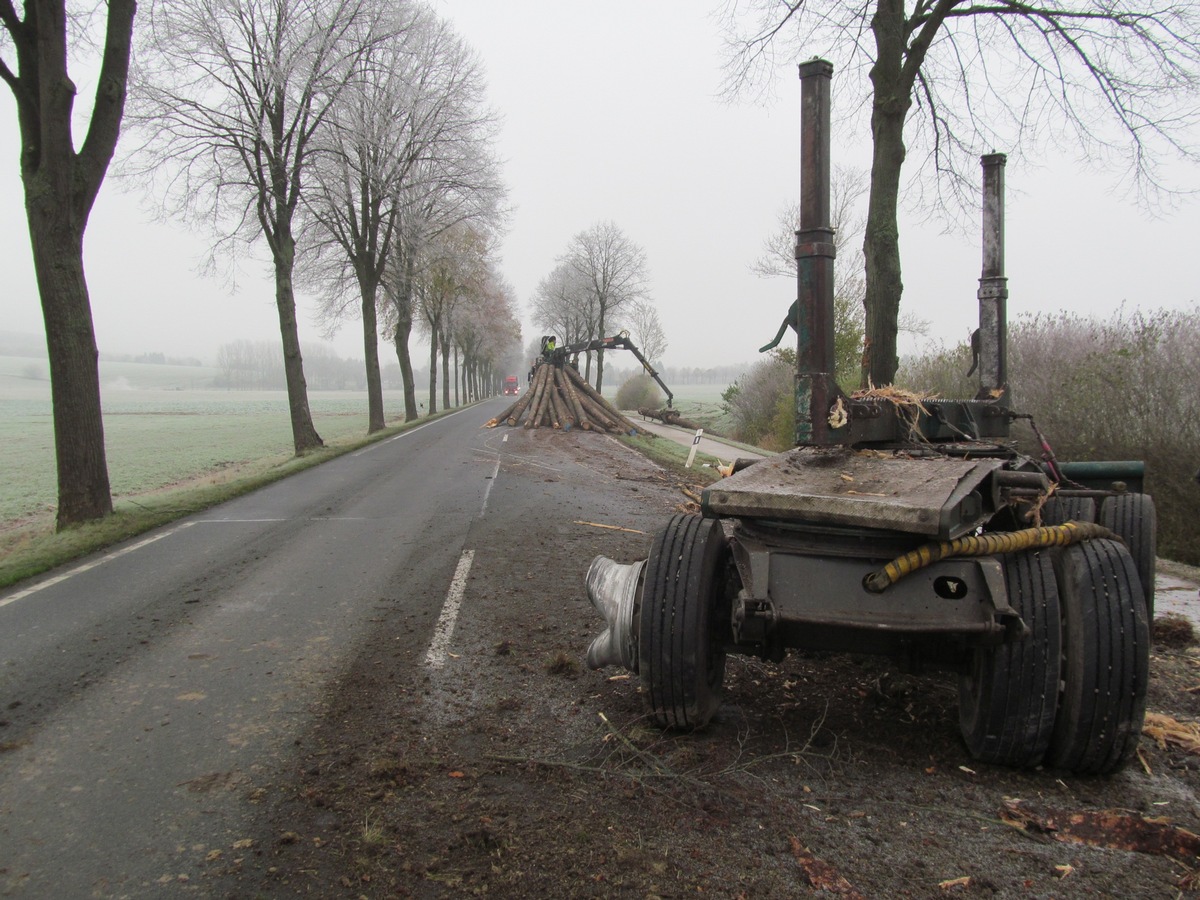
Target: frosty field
<point>162,425</point>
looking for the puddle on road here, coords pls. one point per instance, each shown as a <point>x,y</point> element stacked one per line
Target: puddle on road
<point>1175,595</point>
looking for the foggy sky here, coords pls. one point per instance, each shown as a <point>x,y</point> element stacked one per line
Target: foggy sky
<point>611,112</point>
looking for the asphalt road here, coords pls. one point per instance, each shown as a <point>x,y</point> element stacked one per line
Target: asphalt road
<point>145,692</point>
<point>151,696</point>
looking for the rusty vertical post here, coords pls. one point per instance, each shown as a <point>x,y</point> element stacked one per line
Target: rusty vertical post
<point>815,382</point>
<point>993,285</point>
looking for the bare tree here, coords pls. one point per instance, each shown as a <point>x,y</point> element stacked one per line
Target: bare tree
<point>1113,80</point>
<point>564,307</point>
<point>487,332</point>
<point>646,329</point>
<point>460,186</point>
<point>848,188</point>
<point>456,268</point>
<point>61,185</point>
<point>230,97</point>
<point>359,162</point>
<point>613,268</point>
<point>400,296</point>
<point>414,118</point>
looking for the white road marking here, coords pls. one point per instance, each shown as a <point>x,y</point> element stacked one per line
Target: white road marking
<point>79,570</point>
<point>439,647</point>
<point>402,434</point>
<point>505,440</point>
<point>238,521</point>
<point>487,492</point>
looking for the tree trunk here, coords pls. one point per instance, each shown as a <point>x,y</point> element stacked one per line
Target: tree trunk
<point>304,434</point>
<point>881,241</point>
<point>400,339</point>
<point>83,487</point>
<point>433,352</point>
<point>600,355</point>
<point>445,344</point>
<point>60,188</point>
<point>367,286</point>
<point>458,375</point>
<point>404,323</point>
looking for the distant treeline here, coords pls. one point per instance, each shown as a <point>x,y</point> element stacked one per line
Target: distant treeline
<point>151,359</point>
<point>258,366</point>
<point>675,375</point>
<point>15,343</point>
<point>20,343</point>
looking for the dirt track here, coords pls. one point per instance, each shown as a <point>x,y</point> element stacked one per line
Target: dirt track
<point>515,772</point>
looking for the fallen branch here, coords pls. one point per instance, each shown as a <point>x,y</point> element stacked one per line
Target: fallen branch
<point>668,417</point>
<point>610,527</point>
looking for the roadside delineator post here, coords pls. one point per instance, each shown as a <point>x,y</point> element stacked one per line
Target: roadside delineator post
<point>695,444</point>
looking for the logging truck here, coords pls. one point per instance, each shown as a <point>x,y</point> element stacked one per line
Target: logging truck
<point>909,527</point>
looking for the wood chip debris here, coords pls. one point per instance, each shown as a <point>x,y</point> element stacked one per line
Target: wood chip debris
<point>1164,730</point>
<point>820,874</point>
<point>951,883</point>
<point>1109,828</point>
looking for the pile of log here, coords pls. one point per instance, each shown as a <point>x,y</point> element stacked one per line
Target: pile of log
<point>558,397</point>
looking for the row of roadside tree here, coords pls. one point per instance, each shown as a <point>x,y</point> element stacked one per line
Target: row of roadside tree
<point>349,137</point>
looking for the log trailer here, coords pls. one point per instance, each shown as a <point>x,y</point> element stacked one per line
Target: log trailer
<point>907,527</point>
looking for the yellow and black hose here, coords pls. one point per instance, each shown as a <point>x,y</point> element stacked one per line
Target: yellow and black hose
<point>984,545</point>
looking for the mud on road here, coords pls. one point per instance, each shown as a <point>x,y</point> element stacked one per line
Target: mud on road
<point>513,771</point>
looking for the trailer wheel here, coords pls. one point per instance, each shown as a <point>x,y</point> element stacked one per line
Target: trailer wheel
<point>1006,702</point>
<point>1106,659</point>
<point>1060,510</point>
<point>1132,516</point>
<point>681,658</point>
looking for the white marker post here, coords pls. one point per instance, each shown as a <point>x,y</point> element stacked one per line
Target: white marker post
<point>695,444</point>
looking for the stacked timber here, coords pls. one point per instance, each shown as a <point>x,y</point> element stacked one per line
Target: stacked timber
<point>558,397</point>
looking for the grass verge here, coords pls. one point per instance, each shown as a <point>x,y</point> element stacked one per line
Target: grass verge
<point>673,457</point>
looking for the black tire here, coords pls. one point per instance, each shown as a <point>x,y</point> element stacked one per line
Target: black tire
<point>1132,516</point>
<point>1106,659</point>
<point>681,658</point>
<point>1007,700</point>
<point>1060,510</point>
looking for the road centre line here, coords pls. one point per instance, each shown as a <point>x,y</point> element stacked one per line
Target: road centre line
<point>79,570</point>
<point>487,492</point>
<point>240,521</point>
<point>439,646</point>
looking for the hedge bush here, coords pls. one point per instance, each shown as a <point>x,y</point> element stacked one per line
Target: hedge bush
<point>1124,388</point>
<point>638,391</point>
